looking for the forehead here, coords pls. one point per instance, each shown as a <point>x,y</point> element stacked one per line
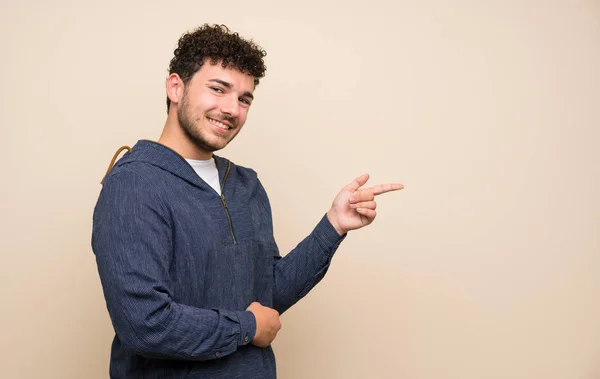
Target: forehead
<point>240,81</point>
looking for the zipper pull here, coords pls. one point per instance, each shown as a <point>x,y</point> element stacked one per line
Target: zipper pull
<point>223,200</point>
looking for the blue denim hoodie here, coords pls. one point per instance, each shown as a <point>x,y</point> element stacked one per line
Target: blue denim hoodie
<point>180,264</point>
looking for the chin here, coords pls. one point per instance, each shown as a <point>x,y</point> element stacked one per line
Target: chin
<point>202,145</point>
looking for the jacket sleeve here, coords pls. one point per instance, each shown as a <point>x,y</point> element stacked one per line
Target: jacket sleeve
<point>132,242</point>
<point>303,267</point>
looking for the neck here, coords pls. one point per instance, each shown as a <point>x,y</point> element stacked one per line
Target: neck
<point>175,138</point>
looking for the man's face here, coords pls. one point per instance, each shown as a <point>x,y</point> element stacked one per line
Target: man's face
<point>215,105</point>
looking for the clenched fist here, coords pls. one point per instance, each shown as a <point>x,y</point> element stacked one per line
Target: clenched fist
<point>267,324</point>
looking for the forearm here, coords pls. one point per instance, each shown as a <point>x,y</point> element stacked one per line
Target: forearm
<point>148,322</point>
<point>300,270</point>
<point>183,332</point>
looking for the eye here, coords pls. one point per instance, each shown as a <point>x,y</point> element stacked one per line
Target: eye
<point>245,101</point>
<point>217,89</point>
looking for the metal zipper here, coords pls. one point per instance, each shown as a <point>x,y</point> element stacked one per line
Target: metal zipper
<point>225,202</point>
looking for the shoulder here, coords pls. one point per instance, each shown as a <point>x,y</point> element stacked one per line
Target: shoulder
<point>246,172</point>
<point>246,175</point>
<point>249,178</point>
<point>134,176</point>
<point>131,188</point>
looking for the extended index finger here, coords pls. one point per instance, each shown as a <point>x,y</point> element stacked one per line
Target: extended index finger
<point>383,188</point>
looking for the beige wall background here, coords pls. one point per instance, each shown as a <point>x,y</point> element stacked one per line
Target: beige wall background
<point>485,267</point>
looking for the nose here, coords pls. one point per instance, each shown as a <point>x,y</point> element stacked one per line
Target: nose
<point>230,106</point>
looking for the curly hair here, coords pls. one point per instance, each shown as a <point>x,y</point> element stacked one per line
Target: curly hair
<point>217,44</point>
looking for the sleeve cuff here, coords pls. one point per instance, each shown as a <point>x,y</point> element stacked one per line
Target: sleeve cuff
<point>327,236</point>
<point>247,327</point>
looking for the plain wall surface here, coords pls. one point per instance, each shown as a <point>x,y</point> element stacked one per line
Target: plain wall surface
<point>486,266</point>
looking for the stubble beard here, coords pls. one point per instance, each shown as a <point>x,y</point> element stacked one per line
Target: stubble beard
<point>193,132</point>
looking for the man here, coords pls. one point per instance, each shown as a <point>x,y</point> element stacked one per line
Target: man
<point>192,276</point>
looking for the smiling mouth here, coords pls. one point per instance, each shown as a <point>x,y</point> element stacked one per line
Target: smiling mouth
<point>219,124</point>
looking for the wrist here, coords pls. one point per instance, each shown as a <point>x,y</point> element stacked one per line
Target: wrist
<point>331,216</point>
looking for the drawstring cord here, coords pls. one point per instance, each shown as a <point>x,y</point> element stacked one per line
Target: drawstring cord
<point>112,162</point>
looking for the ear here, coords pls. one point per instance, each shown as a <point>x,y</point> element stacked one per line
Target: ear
<point>175,88</point>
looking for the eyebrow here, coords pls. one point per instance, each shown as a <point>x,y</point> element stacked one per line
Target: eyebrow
<point>230,86</point>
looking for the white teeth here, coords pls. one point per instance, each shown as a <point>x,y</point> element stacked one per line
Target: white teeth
<point>219,124</point>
